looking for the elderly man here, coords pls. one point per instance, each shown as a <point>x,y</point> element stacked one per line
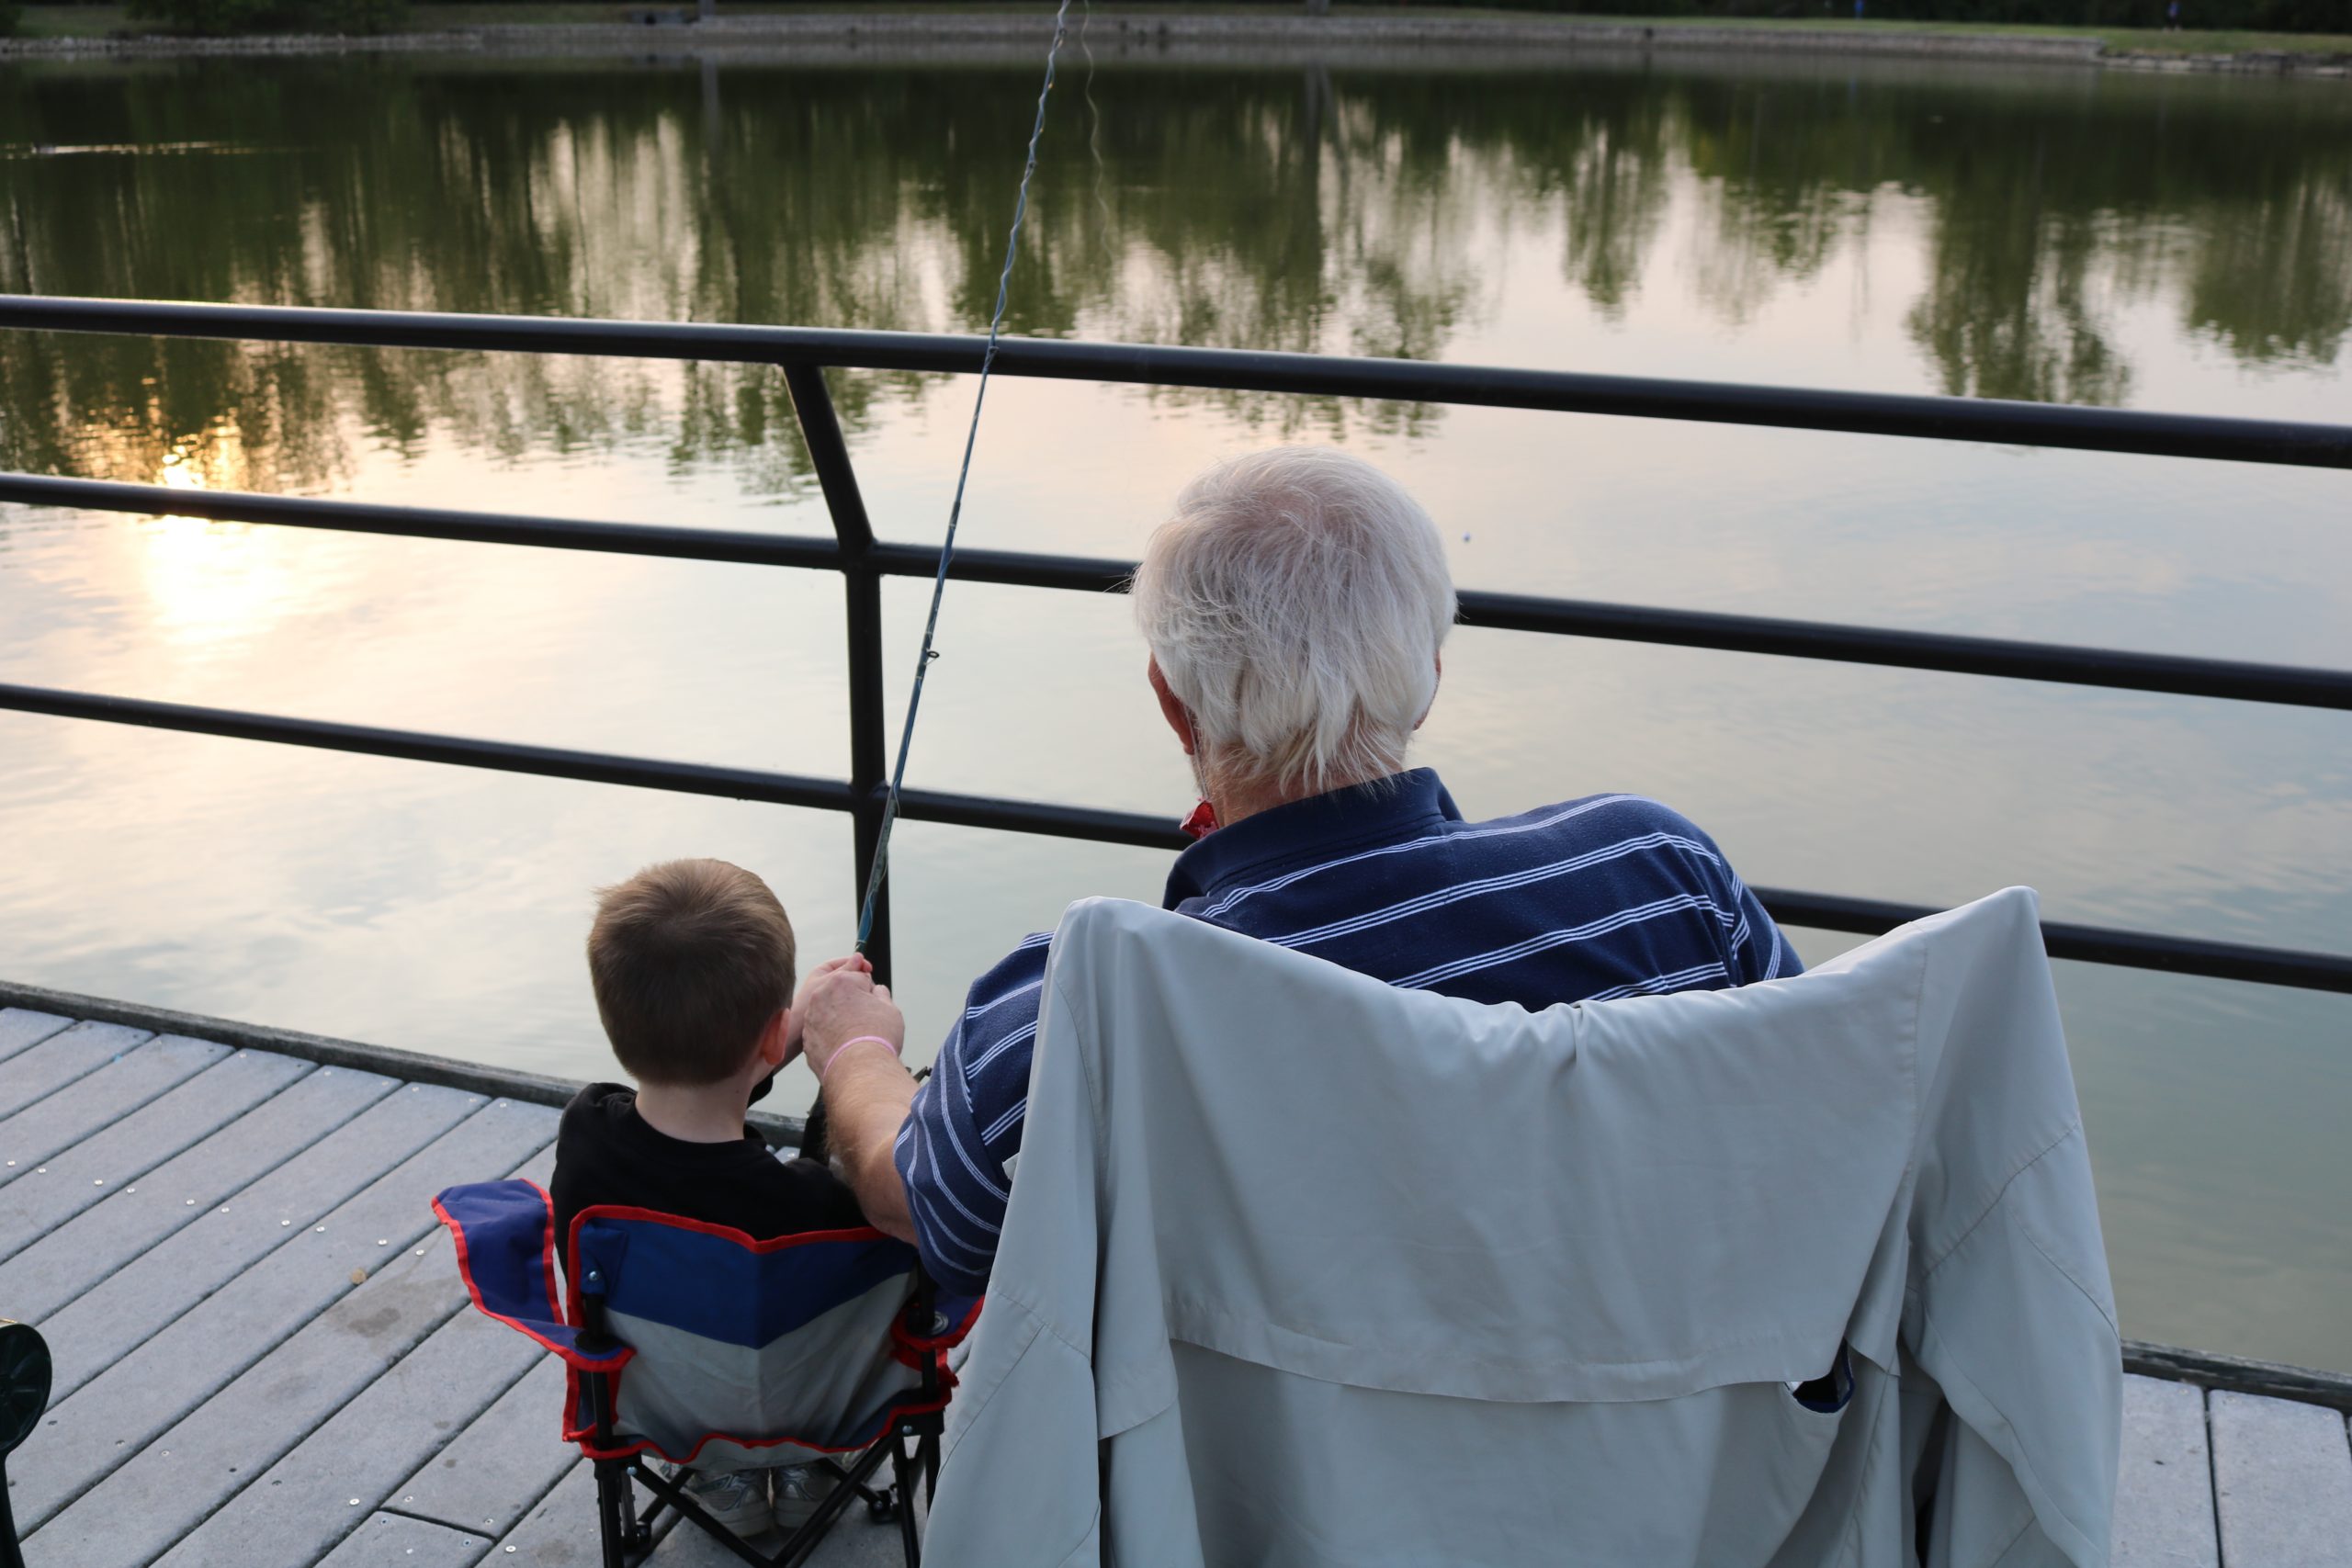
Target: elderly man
<point>1295,606</point>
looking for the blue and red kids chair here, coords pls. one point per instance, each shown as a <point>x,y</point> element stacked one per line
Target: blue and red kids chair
<point>695,1344</point>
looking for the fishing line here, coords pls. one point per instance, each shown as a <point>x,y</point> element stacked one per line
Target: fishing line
<point>1094,122</point>
<point>956,511</point>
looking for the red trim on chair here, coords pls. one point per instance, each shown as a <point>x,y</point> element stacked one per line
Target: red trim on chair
<point>728,1232</point>
<point>584,1434</point>
<point>571,1355</point>
<point>954,1336</point>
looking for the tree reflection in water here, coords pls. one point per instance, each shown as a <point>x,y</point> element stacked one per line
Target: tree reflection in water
<point>1344,208</point>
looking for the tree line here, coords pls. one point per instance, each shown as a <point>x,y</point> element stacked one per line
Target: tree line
<point>1292,208</point>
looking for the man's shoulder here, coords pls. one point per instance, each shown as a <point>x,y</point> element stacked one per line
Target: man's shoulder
<point>1000,1012</point>
<point>1623,845</point>
<point>1593,817</point>
<point>1015,975</point>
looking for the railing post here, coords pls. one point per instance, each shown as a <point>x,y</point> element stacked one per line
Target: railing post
<point>869,759</point>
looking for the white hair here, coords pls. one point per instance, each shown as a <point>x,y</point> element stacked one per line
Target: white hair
<point>1295,603</point>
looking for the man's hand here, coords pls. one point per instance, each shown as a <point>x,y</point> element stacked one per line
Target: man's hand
<point>840,1004</point>
<point>856,963</point>
<point>867,1100</point>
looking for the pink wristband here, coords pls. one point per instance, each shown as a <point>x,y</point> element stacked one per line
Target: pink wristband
<point>861,1040</point>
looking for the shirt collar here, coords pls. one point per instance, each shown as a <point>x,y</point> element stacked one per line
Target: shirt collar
<point>1360,815</point>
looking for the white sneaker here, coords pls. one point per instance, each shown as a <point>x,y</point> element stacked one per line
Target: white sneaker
<point>801,1491</point>
<point>736,1498</point>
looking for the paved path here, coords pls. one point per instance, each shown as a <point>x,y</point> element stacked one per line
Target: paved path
<point>265,1358</point>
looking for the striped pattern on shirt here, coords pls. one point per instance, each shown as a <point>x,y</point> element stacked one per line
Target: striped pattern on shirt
<point>1613,896</point>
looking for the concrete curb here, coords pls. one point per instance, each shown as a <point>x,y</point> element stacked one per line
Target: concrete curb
<point>845,36</point>
<point>409,1067</point>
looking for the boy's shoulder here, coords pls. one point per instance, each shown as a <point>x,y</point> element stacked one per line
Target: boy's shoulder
<point>601,1099</point>
<point>597,1111</point>
<point>606,1153</point>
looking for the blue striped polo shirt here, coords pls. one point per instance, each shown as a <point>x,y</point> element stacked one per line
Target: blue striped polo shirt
<point>1608,896</point>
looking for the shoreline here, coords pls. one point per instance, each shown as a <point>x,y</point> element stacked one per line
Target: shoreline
<point>845,36</point>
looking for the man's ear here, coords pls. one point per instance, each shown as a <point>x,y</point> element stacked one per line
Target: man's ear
<point>1172,707</point>
<point>1438,662</point>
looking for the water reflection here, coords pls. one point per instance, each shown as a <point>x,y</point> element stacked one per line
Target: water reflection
<point>2015,227</point>
<point>2173,243</point>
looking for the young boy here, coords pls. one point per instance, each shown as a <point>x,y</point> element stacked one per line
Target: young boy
<point>693,966</point>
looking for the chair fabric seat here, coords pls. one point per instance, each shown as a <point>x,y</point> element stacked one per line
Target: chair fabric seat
<point>728,1349</point>
<point>1301,1268</point>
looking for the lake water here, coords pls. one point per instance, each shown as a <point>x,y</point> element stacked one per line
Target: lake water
<point>2151,242</point>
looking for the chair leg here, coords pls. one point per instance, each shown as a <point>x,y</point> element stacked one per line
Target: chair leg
<point>910,1544</point>
<point>805,1540</point>
<point>10,1556</point>
<point>616,1510</point>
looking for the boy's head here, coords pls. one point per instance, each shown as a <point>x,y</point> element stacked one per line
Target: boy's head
<point>691,960</point>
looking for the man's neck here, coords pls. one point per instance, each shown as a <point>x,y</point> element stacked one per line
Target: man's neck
<point>700,1113</point>
<point>1233,802</point>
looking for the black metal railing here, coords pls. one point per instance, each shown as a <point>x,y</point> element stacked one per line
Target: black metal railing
<point>805,353</point>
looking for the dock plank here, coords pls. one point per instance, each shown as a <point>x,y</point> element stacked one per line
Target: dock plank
<point>510,1457</point>
<point>2163,1492</point>
<point>180,1476</point>
<point>560,1533</point>
<point>22,1027</point>
<point>393,1540</point>
<point>90,1104</point>
<point>499,1468</point>
<point>303,1505</point>
<point>854,1541</point>
<point>127,1407</point>
<point>2282,1481</point>
<point>219,1241</point>
<point>282,1394</point>
<point>116,1156</point>
<point>41,1070</point>
<point>43,1276</point>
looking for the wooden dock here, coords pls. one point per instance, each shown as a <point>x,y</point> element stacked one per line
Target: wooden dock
<point>265,1358</point>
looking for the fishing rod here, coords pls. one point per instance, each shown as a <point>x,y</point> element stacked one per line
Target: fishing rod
<point>881,869</point>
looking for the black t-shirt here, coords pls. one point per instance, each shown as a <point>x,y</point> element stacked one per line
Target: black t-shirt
<point>606,1153</point>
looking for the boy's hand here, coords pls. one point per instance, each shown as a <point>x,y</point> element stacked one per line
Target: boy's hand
<point>844,1004</point>
<point>856,963</point>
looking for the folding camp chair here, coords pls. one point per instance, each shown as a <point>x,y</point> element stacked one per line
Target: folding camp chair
<point>24,1394</point>
<point>695,1344</point>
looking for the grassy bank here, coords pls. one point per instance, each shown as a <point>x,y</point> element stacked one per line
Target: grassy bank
<point>101,21</point>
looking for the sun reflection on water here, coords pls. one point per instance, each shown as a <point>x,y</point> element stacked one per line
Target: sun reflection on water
<point>208,583</point>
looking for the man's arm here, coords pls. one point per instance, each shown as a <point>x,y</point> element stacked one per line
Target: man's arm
<point>867,1088</point>
<point>867,1099</point>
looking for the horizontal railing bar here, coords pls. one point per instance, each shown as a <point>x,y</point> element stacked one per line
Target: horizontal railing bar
<point>1792,408</point>
<point>425,522</point>
<point>2292,685</point>
<point>1869,916</point>
<point>499,756</point>
<point>2087,945</point>
<point>2118,668</point>
<point>2095,944</point>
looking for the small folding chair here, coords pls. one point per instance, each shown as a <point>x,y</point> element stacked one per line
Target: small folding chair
<point>695,1344</point>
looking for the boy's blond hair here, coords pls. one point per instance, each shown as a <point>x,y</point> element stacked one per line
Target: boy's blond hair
<point>689,960</point>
